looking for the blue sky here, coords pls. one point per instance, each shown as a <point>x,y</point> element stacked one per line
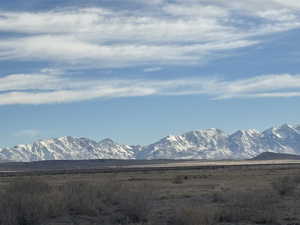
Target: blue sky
<point>137,70</point>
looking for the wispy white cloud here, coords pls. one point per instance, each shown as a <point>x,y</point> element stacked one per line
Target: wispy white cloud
<point>196,10</point>
<point>39,81</point>
<point>278,85</point>
<point>177,33</point>
<point>70,50</point>
<point>152,69</point>
<point>48,89</point>
<point>293,4</point>
<point>273,95</point>
<point>98,25</point>
<point>283,15</point>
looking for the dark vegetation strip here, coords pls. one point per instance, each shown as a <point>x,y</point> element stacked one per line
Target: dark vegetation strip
<point>146,169</point>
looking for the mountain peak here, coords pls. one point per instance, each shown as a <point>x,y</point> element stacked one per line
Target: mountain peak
<point>213,130</point>
<point>270,132</point>
<point>171,138</point>
<point>107,141</point>
<point>286,127</point>
<point>206,132</point>
<point>249,132</point>
<point>286,130</point>
<point>65,138</point>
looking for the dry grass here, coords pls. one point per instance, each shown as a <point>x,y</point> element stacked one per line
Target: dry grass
<point>255,207</point>
<point>23,202</point>
<point>285,185</point>
<point>32,201</point>
<point>195,215</point>
<point>178,179</point>
<point>202,197</point>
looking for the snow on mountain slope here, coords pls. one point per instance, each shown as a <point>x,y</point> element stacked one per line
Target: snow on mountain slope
<point>112,150</point>
<point>245,144</point>
<point>284,139</point>
<point>205,144</point>
<point>200,144</point>
<point>68,148</point>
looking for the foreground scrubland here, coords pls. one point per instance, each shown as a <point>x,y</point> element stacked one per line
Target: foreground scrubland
<point>255,195</point>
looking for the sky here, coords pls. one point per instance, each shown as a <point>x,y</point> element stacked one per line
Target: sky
<point>138,70</point>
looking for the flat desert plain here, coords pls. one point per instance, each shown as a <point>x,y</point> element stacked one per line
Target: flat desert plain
<point>198,193</point>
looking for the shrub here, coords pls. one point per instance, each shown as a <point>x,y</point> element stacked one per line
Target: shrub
<point>134,205</point>
<point>24,202</point>
<point>178,180</point>
<point>29,185</point>
<point>255,207</point>
<point>82,198</point>
<point>31,201</point>
<point>194,216</point>
<point>285,185</point>
<point>218,197</point>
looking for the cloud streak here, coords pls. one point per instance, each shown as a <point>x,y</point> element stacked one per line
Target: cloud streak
<point>46,88</point>
<point>165,33</point>
<point>69,49</point>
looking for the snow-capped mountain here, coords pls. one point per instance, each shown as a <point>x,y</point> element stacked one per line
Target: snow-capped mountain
<point>201,144</point>
<point>68,148</point>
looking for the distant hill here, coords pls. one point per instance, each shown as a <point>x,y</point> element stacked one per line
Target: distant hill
<point>276,156</point>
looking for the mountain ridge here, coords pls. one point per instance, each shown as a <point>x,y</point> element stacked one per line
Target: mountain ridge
<point>198,144</point>
<point>276,156</point>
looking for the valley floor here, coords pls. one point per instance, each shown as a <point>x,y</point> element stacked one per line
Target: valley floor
<point>255,194</point>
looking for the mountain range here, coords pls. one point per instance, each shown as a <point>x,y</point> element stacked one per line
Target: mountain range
<point>211,144</point>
